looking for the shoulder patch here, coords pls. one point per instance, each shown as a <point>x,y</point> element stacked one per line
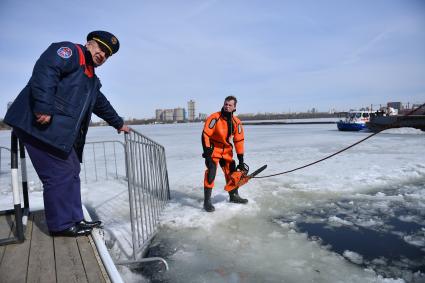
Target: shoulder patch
<point>212,123</point>
<point>64,52</point>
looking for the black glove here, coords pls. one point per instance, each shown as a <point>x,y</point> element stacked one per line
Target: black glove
<point>208,156</point>
<point>212,168</point>
<point>241,166</point>
<point>207,152</point>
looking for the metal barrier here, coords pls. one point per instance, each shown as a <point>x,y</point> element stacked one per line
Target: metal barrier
<point>145,173</point>
<point>101,160</point>
<point>148,190</point>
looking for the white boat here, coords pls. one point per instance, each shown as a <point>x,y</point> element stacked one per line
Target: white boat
<point>354,121</point>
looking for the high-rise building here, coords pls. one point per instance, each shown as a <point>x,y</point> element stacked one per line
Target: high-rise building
<point>158,114</point>
<point>168,115</point>
<point>191,110</point>
<point>202,116</point>
<point>178,114</point>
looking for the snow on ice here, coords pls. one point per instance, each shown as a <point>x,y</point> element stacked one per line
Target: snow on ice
<point>296,227</point>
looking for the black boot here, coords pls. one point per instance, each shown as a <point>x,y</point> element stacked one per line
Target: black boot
<point>234,197</point>
<point>207,200</point>
<point>84,224</point>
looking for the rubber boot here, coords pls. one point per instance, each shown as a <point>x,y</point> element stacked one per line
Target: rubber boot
<point>207,200</point>
<point>234,197</point>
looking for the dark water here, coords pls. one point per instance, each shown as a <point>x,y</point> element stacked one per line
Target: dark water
<point>370,244</point>
<point>155,271</point>
<point>379,228</point>
<point>382,245</point>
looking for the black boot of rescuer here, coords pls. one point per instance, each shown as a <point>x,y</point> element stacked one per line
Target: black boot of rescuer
<point>207,200</point>
<point>235,198</point>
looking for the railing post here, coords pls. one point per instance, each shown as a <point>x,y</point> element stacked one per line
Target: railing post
<point>24,175</point>
<point>17,210</point>
<point>130,190</point>
<point>15,188</point>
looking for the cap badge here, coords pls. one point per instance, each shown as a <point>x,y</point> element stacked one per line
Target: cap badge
<point>114,40</point>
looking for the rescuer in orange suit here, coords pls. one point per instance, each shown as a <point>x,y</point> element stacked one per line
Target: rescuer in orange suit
<point>220,130</point>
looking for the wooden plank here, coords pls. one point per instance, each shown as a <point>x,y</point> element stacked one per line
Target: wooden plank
<point>5,226</point>
<point>42,258</point>
<point>5,232</point>
<point>93,271</point>
<point>69,266</point>
<point>99,260</point>
<point>13,267</point>
<point>41,265</point>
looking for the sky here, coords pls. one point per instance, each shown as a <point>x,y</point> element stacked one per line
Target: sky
<point>274,56</point>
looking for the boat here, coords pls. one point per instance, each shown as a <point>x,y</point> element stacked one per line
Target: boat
<point>380,123</point>
<point>413,118</point>
<point>354,121</point>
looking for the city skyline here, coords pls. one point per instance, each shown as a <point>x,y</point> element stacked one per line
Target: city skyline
<point>400,105</point>
<point>274,56</point>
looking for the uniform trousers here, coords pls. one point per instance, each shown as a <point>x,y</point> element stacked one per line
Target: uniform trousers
<point>61,185</point>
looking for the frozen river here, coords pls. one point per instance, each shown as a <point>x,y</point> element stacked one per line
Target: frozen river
<point>357,217</point>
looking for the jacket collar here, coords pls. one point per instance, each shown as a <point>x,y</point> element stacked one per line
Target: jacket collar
<point>87,55</point>
<point>226,115</point>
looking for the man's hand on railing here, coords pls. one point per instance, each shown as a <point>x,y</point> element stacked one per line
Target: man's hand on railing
<point>126,129</point>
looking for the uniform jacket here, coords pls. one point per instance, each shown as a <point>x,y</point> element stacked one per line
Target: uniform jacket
<point>219,132</point>
<point>63,85</point>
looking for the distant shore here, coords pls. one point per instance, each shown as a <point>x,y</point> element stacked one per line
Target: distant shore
<point>247,119</point>
<point>286,123</point>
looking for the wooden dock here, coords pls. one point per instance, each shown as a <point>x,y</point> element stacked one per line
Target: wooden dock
<point>43,258</point>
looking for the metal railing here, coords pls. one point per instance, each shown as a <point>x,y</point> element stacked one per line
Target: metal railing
<point>148,190</point>
<point>101,160</point>
<point>144,170</point>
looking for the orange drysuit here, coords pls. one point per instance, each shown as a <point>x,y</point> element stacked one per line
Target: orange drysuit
<point>220,130</point>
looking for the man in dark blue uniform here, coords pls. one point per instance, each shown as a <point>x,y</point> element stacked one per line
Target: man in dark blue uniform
<point>51,116</point>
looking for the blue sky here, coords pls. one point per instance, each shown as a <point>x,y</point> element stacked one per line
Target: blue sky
<point>275,56</point>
